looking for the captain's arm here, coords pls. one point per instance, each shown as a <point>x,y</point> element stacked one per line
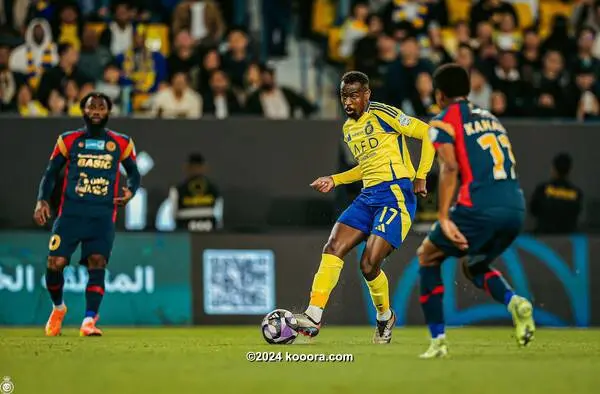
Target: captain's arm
<point>441,135</point>
<point>129,162</point>
<point>346,177</point>
<point>58,158</point>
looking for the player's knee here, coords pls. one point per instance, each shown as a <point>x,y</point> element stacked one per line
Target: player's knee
<point>335,247</point>
<point>96,261</point>
<point>428,254</point>
<point>56,263</point>
<point>369,267</point>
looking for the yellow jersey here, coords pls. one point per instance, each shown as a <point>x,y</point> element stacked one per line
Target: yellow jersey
<point>377,142</point>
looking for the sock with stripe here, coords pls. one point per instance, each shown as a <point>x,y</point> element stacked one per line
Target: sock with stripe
<point>380,294</point>
<point>55,281</point>
<point>431,299</point>
<point>492,282</point>
<point>94,291</point>
<point>324,282</point>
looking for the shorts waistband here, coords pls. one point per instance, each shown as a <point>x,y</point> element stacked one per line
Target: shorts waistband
<point>404,183</point>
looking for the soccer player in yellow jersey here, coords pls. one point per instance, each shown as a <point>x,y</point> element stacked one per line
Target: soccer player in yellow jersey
<point>382,214</point>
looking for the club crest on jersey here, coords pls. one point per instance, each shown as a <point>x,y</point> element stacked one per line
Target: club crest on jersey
<point>369,128</point>
<point>348,137</point>
<point>94,144</point>
<point>404,120</point>
<point>111,146</point>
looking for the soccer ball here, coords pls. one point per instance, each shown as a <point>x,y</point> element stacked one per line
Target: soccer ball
<point>279,327</point>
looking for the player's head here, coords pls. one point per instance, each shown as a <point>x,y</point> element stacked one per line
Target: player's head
<point>561,165</point>
<point>355,93</point>
<point>196,165</point>
<point>95,108</point>
<point>451,82</point>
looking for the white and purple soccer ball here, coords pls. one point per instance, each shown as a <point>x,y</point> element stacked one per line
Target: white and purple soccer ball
<point>279,327</point>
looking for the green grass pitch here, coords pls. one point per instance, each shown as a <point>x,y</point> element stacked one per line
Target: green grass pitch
<point>213,360</point>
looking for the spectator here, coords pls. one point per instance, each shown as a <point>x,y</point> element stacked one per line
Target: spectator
<point>484,34</point>
<point>197,203</point>
<point>178,101</point>
<point>57,77</point>
<point>507,79</point>
<point>57,104</point>
<point>436,52</point>
<point>274,102</point>
<point>508,37</point>
<point>71,93</point>
<point>556,204</point>
<point>586,14</point>
<point>462,35</point>
<point>365,50</point>
<point>414,12</point>
<point>583,96</point>
<point>27,106</point>
<point>402,75</point>
<point>559,39</point>
<point>141,67</point>
<point>74,108</point>
<point>210,63</point>
<point>202,18</point>
<point>37,54</point>
<point>118,36</point>
<point>465,56</point>
<point>93,58</point>
<point>498,104</point>
<point>423,103</point>
<point>550,87</point>
<point>13,14</point>
<point>354,28</point>
<point>94,10</point>
<point>41,9</point>
<point>9,82</point>
<point>585,58</point>
<point>481,91</point>
<point>182,58</point>
<point>251,82</point>
<point>530,56</point>
<point>69,26</point>
<point>237,58</point>
<point>109,85</point>
<point>220,101</point>
<point>387,54</point>
<point>492,10</point>
<point>277,16</point>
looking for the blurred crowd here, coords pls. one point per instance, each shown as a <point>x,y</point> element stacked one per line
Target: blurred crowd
<point>519,67</point>
<point>196,58</point>
<point>161,58</point>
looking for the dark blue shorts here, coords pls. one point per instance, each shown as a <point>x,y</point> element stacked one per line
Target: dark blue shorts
<point>489,232</point>
<point>96,236</point>
<point>386,210</point>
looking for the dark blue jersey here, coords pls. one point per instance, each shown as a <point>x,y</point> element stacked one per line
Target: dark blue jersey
<point>484,154</point>
<point>91,180</point>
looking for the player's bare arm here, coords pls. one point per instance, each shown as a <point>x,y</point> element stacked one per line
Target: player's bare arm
<point>448,182</point>
<point>42,212</point>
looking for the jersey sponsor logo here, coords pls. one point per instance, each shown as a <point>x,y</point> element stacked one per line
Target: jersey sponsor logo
<point>54,242</point>
<point>364,145</point>
<point>561,193</point>
<point>111,146</point>
<point>99,162</point>
<point>95,144</point>
<point>95,186</point>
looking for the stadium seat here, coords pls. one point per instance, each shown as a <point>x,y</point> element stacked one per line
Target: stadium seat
<point>323,16</point>
<point>98,27</point>
<point>548,9</point>
<point>458,10</point>
<point>334,39</point>
<point>525,15</point>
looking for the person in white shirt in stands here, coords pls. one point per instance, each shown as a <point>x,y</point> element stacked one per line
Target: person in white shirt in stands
<point>177,101</point>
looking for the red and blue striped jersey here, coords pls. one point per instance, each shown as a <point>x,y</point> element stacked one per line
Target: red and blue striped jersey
<point>484,154</point>
<point>92,171</point>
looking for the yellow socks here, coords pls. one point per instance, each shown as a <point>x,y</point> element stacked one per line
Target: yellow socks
<point>380,294</point>
<point>323,284</point>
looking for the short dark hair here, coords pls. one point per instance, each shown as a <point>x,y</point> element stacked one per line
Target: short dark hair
<point>196,159</point>
<point>355,77</point>
<point>562,164</point>
<point>64,47</point>
<point>466,46</point>
<point>98,95</point>
<point>588,29</point>
<point>452,80</point>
